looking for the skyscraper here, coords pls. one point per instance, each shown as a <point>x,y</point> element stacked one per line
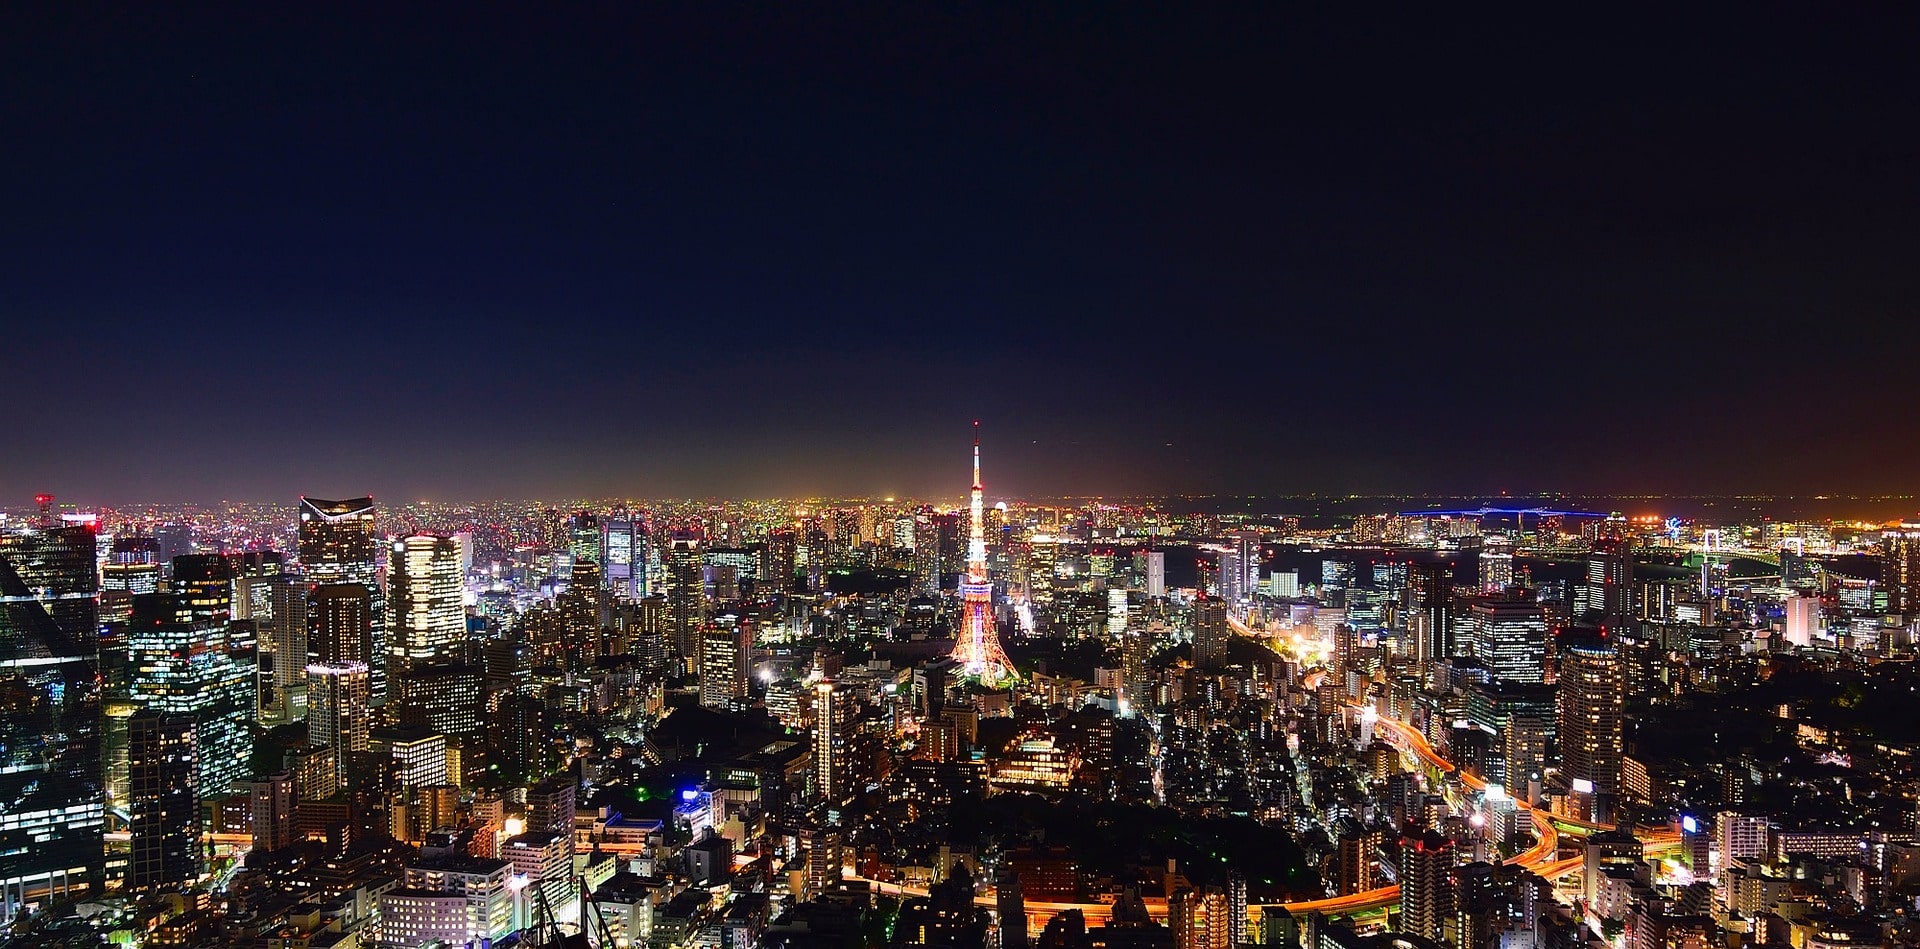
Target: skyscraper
<point>1509,637</point>
<point>337,715</point>
<point>829,742</point>
<point>1247,560</point>
<point>285,631</point>
<point>181,666</point>
<point>686,595</point>
<point>338,544</point>
<point>424,590</point>
<point>1592,701</point>
<point>622,554</point>
<point>340,623</point>
<point>977,648</point>
<point>1607,591</point>
<point>163,801</point>
<point>50,728</point>
<point>1900,567</point>
<point>1210,633</point>
<point>725,649</point>
<point>1430,610</point>
<point>205,583</point>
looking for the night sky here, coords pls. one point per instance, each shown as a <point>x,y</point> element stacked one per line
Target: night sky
<point>650,250</point>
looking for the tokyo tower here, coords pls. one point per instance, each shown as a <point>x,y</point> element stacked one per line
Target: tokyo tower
<point>977,649</point>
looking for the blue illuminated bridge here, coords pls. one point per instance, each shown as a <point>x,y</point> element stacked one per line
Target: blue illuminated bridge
<point>1485,511</point>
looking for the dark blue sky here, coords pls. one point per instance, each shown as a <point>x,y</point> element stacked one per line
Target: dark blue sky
<point>656,249</point>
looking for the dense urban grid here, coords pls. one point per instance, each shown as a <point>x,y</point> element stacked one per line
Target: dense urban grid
<point>866,723</point>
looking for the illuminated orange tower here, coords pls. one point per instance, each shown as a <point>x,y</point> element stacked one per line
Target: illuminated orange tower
<point>977,649</point>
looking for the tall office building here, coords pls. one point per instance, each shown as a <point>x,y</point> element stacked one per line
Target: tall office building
<point>448,698</point>
<point>204,582</point>
<point>1211,634</point>
<point>50,724</point>
<point>1509,637</point>
<point>1607,593</point>
<point>1430,611</point>
<point>337,713</point>
<point>725,649</point>
<point>163,801</point>
<point>584,536</point>
<point>427,618</point>
<point>1900,567</point>
<point>181,666</point>
<point>338,544</point>
<point>623,544</point>
<point>340,624</point>
<point>284,630</point>
<point>1592,702</point>
<point>1426,886</point>
<point>686,595</point>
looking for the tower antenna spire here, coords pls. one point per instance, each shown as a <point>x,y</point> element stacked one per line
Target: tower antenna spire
<point>977,649</point>
<point>976,454</point>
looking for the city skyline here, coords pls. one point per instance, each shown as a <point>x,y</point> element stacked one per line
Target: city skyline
<point>691,253</point>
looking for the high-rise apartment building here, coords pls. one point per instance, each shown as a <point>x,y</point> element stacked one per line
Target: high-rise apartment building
<point>830,720</point>
<point>1591,705</point>
<point>338,544</point>
<point>1211,634</point>
<point>1426,886</point>
<point>427,618</point>
<point>1496,564</point>
<point>1200,919</point>
<point>272,800</point>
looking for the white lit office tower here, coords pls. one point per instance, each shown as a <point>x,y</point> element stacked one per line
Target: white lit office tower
<point>337,712</point>
<point>427,621</point>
